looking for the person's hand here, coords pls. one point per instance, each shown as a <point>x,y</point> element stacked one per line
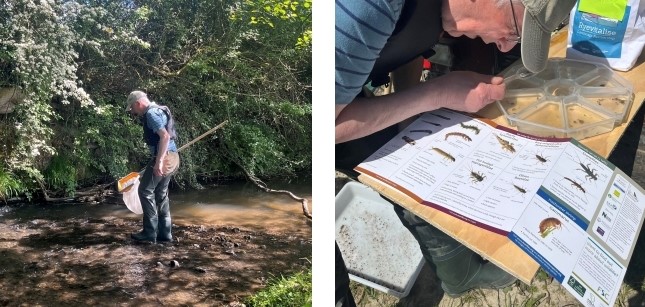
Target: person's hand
<point>468,91</point>
<point>158,169</point>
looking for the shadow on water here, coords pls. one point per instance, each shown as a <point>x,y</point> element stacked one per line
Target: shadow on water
<point>239,204</point>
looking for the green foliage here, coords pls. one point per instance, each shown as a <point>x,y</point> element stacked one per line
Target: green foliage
<point>75,62</point>
<point>9,185</point>
<point>61,175</point>
<point>284,16</point>
<point>293,291</point>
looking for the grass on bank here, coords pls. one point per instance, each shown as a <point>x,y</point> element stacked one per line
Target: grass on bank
<point>294,290</point>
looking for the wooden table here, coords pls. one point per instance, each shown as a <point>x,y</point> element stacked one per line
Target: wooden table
<point>497,248</point>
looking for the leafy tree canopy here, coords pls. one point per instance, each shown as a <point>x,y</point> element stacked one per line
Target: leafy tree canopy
<point>66,67</point>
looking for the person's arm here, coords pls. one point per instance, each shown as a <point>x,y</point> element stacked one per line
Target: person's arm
<point>461,91</point>
<point>162,148</point>
<point>406,77</point>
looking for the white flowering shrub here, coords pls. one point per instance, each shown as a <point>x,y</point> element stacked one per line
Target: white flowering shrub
<point>39,53</point>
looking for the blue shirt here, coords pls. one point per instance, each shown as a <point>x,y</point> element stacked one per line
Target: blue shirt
<point>157,119</point>
<point>362,29</point>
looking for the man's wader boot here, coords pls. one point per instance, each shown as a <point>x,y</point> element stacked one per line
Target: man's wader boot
<point>458,268</point>
<point>343,294</point>
<point>153,194</point>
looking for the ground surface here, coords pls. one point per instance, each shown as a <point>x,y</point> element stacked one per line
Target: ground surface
<point>89,262</point>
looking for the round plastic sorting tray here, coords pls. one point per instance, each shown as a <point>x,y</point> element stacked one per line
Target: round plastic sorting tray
<point>568,99</point>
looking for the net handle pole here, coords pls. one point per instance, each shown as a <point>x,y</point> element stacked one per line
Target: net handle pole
<point>202,136</point>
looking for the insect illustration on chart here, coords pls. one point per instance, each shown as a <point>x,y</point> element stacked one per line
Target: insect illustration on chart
<point>422,131</point>
<point>463,136</point>
<point>506,145</point>
<point>576,185</point>
<point>475,176</point>
<point>444,154</point>
<point>590,173</point>
<point>541,158</point>
<point>473,128</point>
<point>409,140</point>
<point>548,225</point>
<point>520,189</point>
<point>440,116</point>
<point>431,123</point>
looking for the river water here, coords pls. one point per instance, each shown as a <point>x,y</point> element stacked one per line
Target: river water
<point>236,204</point>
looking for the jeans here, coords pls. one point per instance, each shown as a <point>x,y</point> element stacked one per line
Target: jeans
<point>153,193</point>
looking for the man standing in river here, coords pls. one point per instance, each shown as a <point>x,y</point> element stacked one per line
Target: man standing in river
<point>159,134</point>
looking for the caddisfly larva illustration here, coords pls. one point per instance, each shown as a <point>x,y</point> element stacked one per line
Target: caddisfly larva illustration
<point>474,128</point>
<point>422,130</point>
<point>548,225</point>
<point>475,176</point>
<point>431,123</point>
<point>444,154</point>
<point>576,185</point>
<point>506,145</point>
<point>440,116</point>
<point>409,140</point>
<point>464,136</point>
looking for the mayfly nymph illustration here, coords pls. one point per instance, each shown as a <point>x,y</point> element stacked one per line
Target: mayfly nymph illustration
<point>470,127</point>
<point>506,145</point>
<point>423,130</point>
<point>576,185</point>
<point>443,154</point>
<point>431,123</point>
<point>458,134</point>
<point>548,225</point>
<point>409,140</point>
<point>589,172</point>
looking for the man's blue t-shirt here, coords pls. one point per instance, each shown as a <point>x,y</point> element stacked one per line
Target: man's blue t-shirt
<point>362,29</point>
<point>157,119</point>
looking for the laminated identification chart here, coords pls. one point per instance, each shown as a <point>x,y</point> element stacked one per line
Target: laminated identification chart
<point>570,209</point>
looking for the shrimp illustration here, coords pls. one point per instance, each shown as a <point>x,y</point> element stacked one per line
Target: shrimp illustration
<point>548,225</point>
<point>444,154</point>
<point>506,145</point>
<point>458,134</point>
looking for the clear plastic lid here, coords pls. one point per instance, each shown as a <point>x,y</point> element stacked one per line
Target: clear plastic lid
<point>569,98</point>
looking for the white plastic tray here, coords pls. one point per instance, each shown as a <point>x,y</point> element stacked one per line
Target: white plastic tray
<point>378,250</point>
